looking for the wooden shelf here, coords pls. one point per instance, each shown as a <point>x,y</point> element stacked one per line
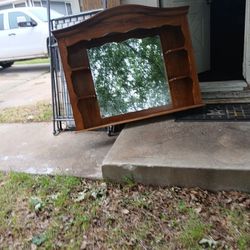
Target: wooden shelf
<point>174,50</point>
<point>177,78</point>
<point>87,97</point>
<point>177,63</point>
<point>80,68</point>
<point>173,37</point>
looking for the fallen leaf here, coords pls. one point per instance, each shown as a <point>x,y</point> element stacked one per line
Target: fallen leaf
<point>38,240</point>
<point>84,245</point>
<point>228,201</point>
<point>208,243</point>
<point>125,211</point>
<point>198,210</point>
<point>33,247</point>
<point>81,196</point>
<point>54,196</point>
<point>36,203</point>
<point>38,207</point>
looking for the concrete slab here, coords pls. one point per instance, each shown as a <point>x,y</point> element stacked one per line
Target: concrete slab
<point>210,155</point>
<point>32,148</point>
<point>24,85</point>
<point>223,86</point>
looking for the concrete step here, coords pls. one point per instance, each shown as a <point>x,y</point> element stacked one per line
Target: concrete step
<point>225,92</point>
<point>226,95</point>
<point>226,100</point>
<point>32,148</point>
<point>211,155</point>
<point>223,86</point>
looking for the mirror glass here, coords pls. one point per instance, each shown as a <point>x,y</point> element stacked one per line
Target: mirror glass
<point>129,76</point>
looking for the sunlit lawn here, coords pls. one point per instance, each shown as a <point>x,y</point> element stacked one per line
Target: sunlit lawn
<point>40,112</point>
<point>33,61</point>
<point>73,213</point>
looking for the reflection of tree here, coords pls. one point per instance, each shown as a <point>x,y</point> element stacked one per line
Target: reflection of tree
<point>129,76</point>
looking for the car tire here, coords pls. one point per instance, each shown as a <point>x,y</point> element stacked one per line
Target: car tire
<point>48,48</point>
<point>6,65</point>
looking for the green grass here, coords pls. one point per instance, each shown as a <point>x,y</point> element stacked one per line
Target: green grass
<point>40,112</point>
<point>194,230</point>
<point>74,213</point>
<point>33,61</point>
<point>243,241</point>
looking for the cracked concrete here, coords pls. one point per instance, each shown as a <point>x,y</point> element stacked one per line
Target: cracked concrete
<point>211,155</point>
<point>24,85</point>
<point>32,148</point>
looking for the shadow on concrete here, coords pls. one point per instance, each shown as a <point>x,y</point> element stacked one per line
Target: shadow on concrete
<point>26,67</point>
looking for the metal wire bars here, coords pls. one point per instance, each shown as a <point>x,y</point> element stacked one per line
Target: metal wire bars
<point>62,111</point>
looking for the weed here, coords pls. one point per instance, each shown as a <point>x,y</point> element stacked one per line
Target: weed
<point>239,223</point>
<point>236,217</point>
<point>182,207</point>
<point>22,180</point>
<point>129,180</point>
<point>193,231</point>
<point>244,242</point>
<point>38,240</point>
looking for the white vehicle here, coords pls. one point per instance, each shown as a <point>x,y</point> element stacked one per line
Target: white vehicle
<point>23,34</point>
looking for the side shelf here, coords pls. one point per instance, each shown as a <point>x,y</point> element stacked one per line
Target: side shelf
<point>177,61</point>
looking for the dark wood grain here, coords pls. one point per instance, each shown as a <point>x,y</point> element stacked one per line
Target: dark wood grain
<point>116,25</point>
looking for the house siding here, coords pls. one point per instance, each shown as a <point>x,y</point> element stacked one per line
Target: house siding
<point>65,7</point>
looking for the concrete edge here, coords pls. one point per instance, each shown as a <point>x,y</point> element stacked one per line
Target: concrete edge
<point>209,179</point>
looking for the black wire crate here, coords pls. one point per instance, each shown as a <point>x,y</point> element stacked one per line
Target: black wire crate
<point>62,112</point>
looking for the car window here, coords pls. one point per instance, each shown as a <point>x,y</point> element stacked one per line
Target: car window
<point>1,22</point>
<point>13,18</point>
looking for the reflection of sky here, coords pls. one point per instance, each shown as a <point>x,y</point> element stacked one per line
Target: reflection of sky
<point>132,85</point>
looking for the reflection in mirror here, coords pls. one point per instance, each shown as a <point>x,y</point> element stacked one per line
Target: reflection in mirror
<point>129,76</point>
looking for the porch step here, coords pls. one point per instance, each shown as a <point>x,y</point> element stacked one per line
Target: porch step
<point>226,100</point>
<point>209,155</point>
<point>225,92</point>
<point>226,96</point>
<point>222,86</point>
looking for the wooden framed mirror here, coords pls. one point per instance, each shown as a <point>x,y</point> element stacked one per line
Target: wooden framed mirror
<point>129,63</point>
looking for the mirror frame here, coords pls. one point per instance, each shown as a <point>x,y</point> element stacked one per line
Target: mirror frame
<point>118,24</point>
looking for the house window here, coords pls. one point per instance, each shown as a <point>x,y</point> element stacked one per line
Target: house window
<point>13,16</point>
<point>44,3</point>
<point>37,4</point>
<point>1,22</point>
<point>59,7</point>
<point>5,7</point>
<point>69,9</point>
<point>17,5</point>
